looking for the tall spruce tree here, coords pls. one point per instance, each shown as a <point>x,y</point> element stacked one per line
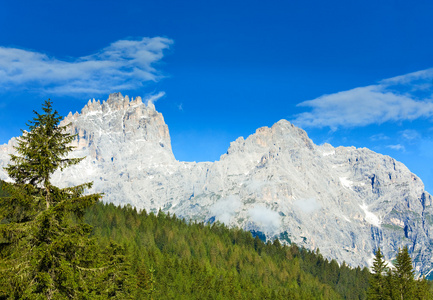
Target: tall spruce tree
<point>378,285</point>
<point>41,151</point>
<point>404,281</point>
<point>398,282</point>
<point>45,251</point>
<point>423,291</point>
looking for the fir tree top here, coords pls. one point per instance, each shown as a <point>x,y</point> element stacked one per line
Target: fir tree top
<point>41,151</point>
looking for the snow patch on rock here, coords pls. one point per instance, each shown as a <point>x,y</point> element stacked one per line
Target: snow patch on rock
<point>369,216</point>
<point>345,182</point>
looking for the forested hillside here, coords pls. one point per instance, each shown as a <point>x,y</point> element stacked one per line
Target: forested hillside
<point>2,192</point>
<point>164,257</point>
<point>174,259</point>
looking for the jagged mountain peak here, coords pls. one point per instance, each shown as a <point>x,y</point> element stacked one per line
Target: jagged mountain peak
<point>282,135</point>
<point>119,120</point>
<point>115,102</point>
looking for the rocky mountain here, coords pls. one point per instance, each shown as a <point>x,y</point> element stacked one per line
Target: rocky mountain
<point>276,183</point>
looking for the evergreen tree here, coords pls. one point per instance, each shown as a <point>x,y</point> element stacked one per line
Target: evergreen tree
<point>397,283</point>
<point>404,275</point>
<point>423,291</point>
<point>377,289</point>
<point>41,151</point>
<point>391,290</point>
<point>2,191</point>
<point>43,253</point>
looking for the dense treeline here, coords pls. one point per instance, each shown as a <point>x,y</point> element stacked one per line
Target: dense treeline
<point>160,256</point>
<point>176,259</point>
<point>2,192</point>
<point>144,256</point>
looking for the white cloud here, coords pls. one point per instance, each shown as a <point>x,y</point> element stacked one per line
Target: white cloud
<point>397,147</point>
<point>267,219</point>
<point>226,208</point>
<point>125,64</point>
<point>411,77</point>
<point>379,137</point>
<point>406,97</point>
<point>410,134</point>
<point>307,205</point>
<point>154,98</point>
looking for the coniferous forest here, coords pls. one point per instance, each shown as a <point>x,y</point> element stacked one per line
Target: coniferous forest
<point>66,244</point>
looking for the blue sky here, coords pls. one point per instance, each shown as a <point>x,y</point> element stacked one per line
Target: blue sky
<point>348,72</point>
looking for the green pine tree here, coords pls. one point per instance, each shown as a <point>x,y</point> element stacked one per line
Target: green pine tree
<point>404,275</point>
<point>378,289</point>
<point>390,282</point>
<point>423,291</point>
<point>45,250</point>
<point>41,151</point>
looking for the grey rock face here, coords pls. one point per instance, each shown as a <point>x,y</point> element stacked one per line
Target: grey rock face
<point>345,201</point>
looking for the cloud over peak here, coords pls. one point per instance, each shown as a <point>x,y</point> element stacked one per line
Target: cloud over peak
<point>125,64</point>
<point>406,97</point>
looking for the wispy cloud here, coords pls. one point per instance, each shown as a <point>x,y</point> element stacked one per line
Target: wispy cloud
<point>125,64</point>
<point>153,98</point>
<point>379,137</point>
<point>307,205</point>
<point>397,147</point>
<point>406,97</point>
<point>410,134</point>
<point>225,209</point>
<point>267,219</point>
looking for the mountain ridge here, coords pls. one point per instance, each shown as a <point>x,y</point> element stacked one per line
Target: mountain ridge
<point>345,201</point>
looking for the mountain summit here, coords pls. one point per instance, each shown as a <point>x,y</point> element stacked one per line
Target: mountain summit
<point>346,202</point>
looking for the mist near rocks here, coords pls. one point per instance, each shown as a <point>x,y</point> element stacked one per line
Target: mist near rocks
<point>307,205</point>
<point>225,209</point>
<point>267,219</point>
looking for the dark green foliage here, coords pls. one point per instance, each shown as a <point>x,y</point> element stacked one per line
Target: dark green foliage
<point>173,259</point>
<point>3,193</point>
<point>163,257</point>
<point>45,249</point>
<point>399,282</point>
<point>378,285</point>
<point>41,151</point>
<point>424,289</point>
<point>404,282</point>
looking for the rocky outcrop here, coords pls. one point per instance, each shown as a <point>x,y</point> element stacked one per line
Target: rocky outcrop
<point>277,182</point>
